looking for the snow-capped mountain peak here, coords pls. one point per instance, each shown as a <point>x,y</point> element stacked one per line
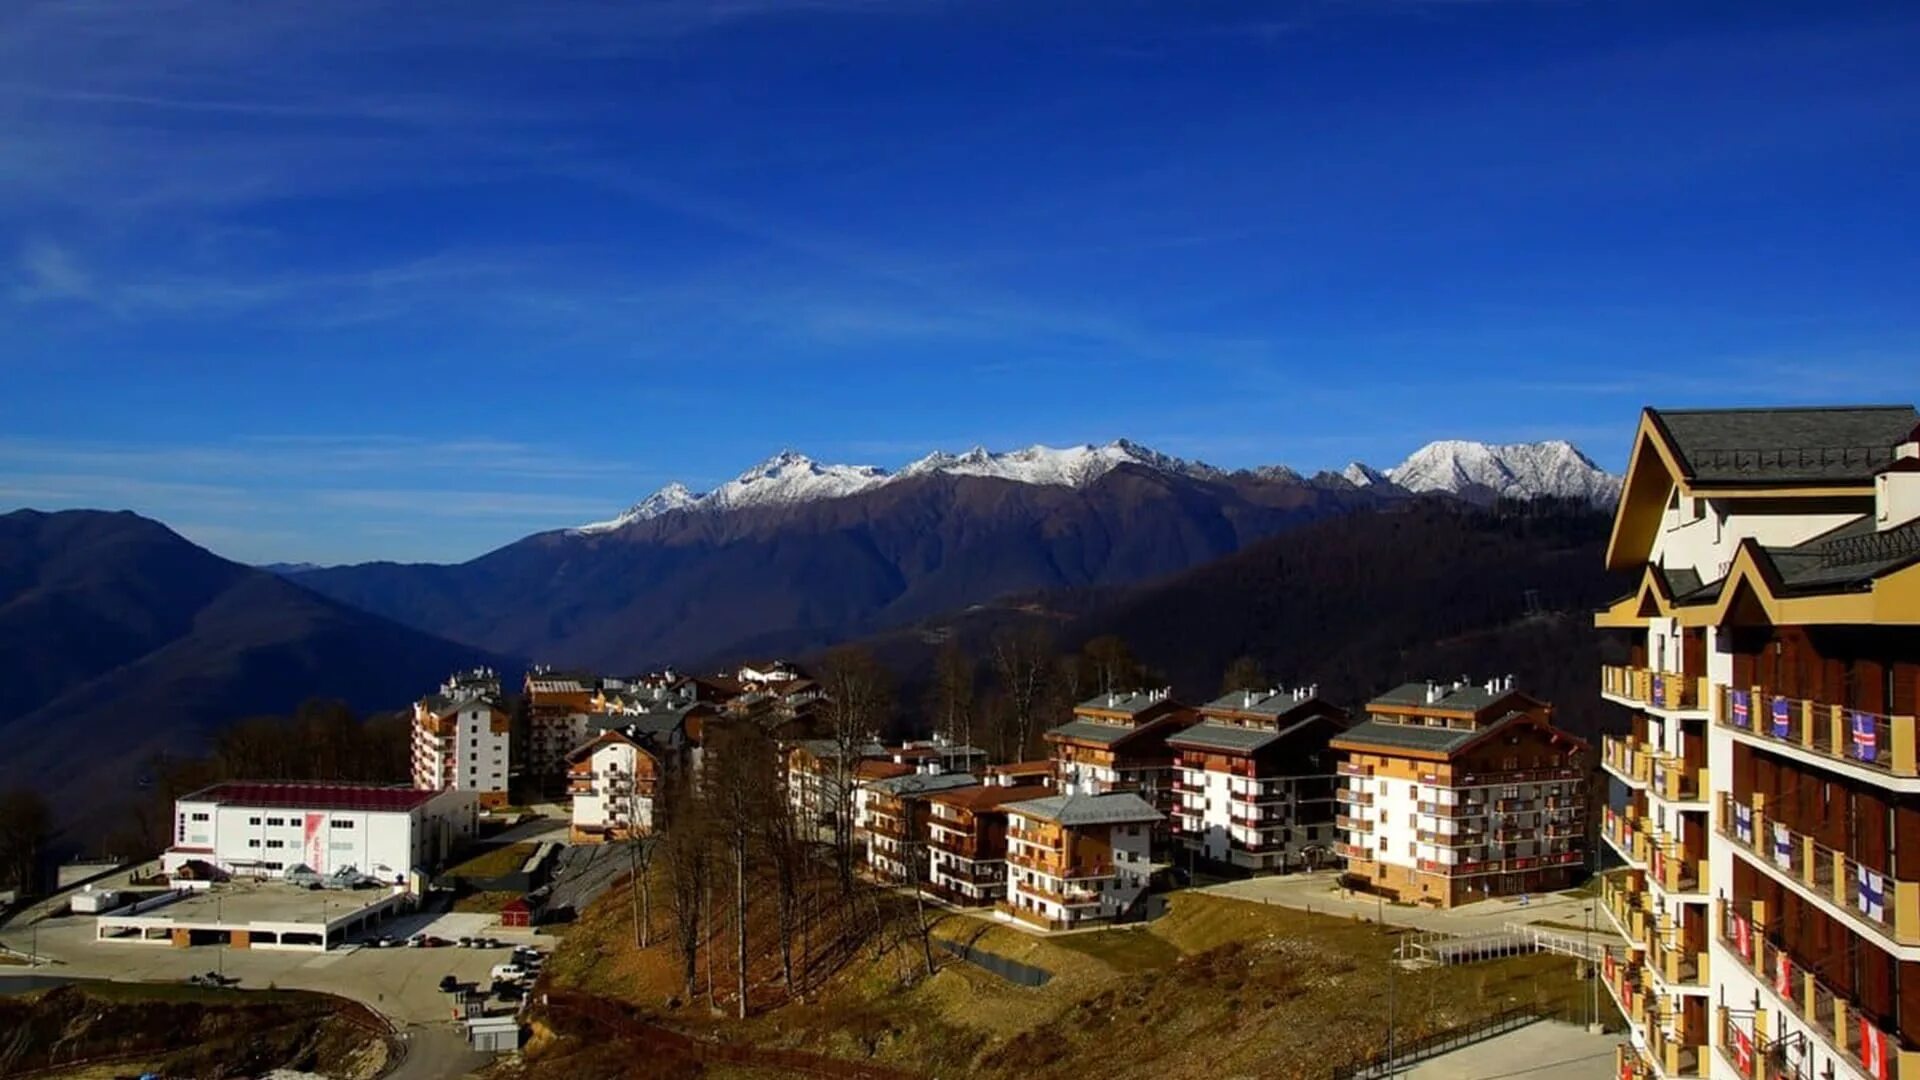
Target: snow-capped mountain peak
<point>1472,470</point>
<point>1516,470</point>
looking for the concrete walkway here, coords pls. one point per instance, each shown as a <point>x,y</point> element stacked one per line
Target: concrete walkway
<point>1542,1051</point>
<point>1321,892</point>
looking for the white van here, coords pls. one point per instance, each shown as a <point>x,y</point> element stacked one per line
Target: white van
<point>510,973</point>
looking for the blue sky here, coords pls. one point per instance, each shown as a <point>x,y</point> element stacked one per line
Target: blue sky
<point>339,279</point>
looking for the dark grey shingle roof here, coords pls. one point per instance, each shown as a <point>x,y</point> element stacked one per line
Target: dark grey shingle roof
<point>1264,702</point>
<point>1114,808</point>
<point>1133,702</point>
<point>1410,736</point>
<point>1093,732</point>
<point>1469,698</point>
<point>1853,554</point>
<point>1224,737</point>
<point>922,783</point>
<point>1786,445</point>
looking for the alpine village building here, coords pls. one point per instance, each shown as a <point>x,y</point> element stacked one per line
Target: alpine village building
<point>1253,781</point>
<point>967,837</point>
<point>1077,858</point>
<point>462,738</point>
<point>1459,792</point>
<point>1118,742</point>
<point>1766,801</point>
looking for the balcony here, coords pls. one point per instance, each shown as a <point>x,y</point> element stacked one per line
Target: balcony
<point>1453,810</point>
<point>1621,974</point>
<point>1865,899</point>
<point>1064,871</point>
<point>1665,691</point>
<point>1518,864</point>
<point>1834,1018</point>
<point>1070,898</point>
<point>1678,966</point>
<point>1513,806</point>
<point>1627,759</point>
<point>1627,836</point>
<point>1669,869</point>
<point>1627,905</point>
<point>1353,851</point>
<point>1353,824</point>
<point>1451,839</point>
<point>1676,1053</point>
<point>1353,797</point>
<point>1673,780</point>
<point>1879,745</point>
<point>1629,1065</point>
<point>1744,1050</point>
<point>1348,768</point>
<point>1506,777</point>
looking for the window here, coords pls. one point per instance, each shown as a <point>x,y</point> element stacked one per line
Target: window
<point>197,816</point>
<point>253,843</point>
<point>276,843</point>
<point>341,823</point>
<point>276,821</point>
<point>253,821</point>
<point>274,866</point>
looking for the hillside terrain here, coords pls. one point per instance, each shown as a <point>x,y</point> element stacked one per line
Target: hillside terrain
<point>124,640</point>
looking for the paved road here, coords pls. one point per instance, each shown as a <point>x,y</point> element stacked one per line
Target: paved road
<point>437,1052</point>
<point>1321,892</point>
<point>1543,1051</point>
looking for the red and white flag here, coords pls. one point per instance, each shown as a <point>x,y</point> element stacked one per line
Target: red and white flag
<point>1743,1052</point>
<point>1742,936</point>
<point>1783,975</point>
<point>1873,1050</point>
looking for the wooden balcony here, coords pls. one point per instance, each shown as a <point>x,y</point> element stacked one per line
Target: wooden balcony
<point>1348,768</point>
<point>1353,824</point>
<point>1627,905</point>
<point>1031,918</point>
<point>1669,868</point>
<point>1627,836</point>
<point>1883,745</point>
<point>1662,690</point>
<point>1516,865</point>
<point>1871,902</point>
<point>1354,798</point>
<point>1674,780</point>
<point>1627,759</point>
<point>1835,1018</point>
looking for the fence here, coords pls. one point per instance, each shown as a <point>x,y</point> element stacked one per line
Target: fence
<point>1512,940</point>
<point>1440,1042</point>
<point>1011,970</point>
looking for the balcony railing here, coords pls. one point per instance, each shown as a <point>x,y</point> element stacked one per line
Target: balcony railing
<point>1674,1054</point>
<point>1674,780</point>
<point>1744,1049</point>
<point>1663,690</point>
<point>1353,851</point>
<point>1063,871</point>
<point>1451,839</point>
<point>1453,810</point>
<point>1353,824</point>
<point>1670,869</point>
<point>1626,758</point>
<point>1514,865</point>
<point>1348,768</point>
<point>1883,744</point>
<point>1869,898</point>
<point>1623,977</point>
<point>1835,1018</point>
<point>1626,835</point>
<point>1356,798</point>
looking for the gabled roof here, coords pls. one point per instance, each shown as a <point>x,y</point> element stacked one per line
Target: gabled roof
<point>1467,698</point>
<point>1274,703</point>
<point>1091,731</point>
<point>1721,447</point>
<point>1127,703</point>
<point>984,797</point>
<point>1420,740</point>
<point>1113,808</point>
<point>922,783</point>
<point>1232,738</point>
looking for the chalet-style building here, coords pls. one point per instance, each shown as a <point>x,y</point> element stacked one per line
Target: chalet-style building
<point>462,739</point>
<point>1255,778</point>
<point>616,779</point>
<point>558,705</point>
<point>895,830</point>
<point>1075,858</point>
<point>1118,742</point>
<point>1457,792</point>
<point>1019,773</point>
<point>1766,799</point>
<point>967,839</point>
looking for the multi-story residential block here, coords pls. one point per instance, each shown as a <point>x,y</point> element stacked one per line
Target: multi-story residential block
<point>559,704</point>
<point>967,838</point>
<point>617,780</point>
<point>1766,800</point>
<point>1254,780</point>
<point>462,740</point>
<point>822,777</point>
<point>1457,792</point>
<point>1077,858</point>
<point>895,833</point>
<point>1118,742</point>
<point>397,834</point>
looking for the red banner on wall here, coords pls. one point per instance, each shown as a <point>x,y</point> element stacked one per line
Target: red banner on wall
<point>316,845</point>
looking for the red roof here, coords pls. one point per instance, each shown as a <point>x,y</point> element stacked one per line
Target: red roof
<point>518,905</point>
<point>307,796</point>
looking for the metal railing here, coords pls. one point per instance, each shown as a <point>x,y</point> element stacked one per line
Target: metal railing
<point>1869,898</point>
<point>1870,740</point>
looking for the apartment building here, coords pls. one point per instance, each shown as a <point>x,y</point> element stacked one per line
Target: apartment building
<point>1765,800</point>
<point>1254,780</point>
<point>559,704</point>
<point>617,779</point>
<point>1078,858</point>
<point>397,834</point>
<point>967,838</point>
<point>1457,792</point>
<point>1118,742</point>
<point>895,831</point>
<point>462,739</point>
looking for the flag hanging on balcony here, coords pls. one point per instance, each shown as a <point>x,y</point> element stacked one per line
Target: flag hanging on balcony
<point>1872,900</point>
<point>1873,1050</point>
<point>1782,846</point>
<point>1781,727</point>
<point>1783,976</point>
<point>1608,967</point>
<point>1743,823</point>
<point>1743,1052</point>
<point>1865,738</point>
<point>1742,935</point>
<point>1659,695</point>
<point>1659,866</point>
<point>1742,709</point>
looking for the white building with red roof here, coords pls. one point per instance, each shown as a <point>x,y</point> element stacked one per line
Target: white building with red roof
<point>397,834</point>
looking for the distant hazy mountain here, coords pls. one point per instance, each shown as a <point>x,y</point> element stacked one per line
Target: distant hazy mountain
<point>121,639</point>
<point>288,569</point>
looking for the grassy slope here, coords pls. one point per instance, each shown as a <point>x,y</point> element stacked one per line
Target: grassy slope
<point>1218,987</point>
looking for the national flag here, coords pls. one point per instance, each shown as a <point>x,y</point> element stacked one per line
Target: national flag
<point>1659,866</point>
<point>1782,846</point>
<point>1743,1052</point>
<point>1872,900</point>
<point>1742,710</point>
<point>1783,975</point>
<point>1659,691</point>
<point>1743,823</point>
<point>1866,740</point>
<point>1873,1050</point>
<point>1742,936</point>
<point>1780,713</point>
<point>1609,967</point>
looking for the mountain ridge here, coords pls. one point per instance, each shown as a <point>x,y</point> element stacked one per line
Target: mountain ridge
<point>1474,470</point>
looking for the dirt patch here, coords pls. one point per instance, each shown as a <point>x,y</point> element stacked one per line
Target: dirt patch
<point>189,1032</point>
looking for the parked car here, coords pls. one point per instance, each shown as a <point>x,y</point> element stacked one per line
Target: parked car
<point>510,972</point>
<point>466,942</point>
<point>509,991</point>
<point>448,984</point>
<point>417,941</point>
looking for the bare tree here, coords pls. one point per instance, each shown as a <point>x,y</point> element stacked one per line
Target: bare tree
<point>686,850</point>
<point>739,783</point>
<point>1245,673</point>
<point>951,700</point>
<point>914,852</point>
<point>1023,660</point>
<point>858,698</point>
<point>787,855</point>
<point>25,825</point>
<point>1111,664</point>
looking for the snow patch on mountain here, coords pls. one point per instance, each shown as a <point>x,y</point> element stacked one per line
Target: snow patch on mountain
<point>1517,470</point>
<point>1469,469</point>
